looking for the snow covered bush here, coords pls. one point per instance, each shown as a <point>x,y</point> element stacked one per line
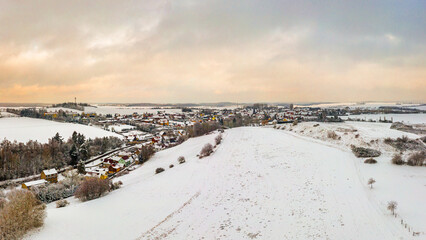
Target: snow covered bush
<point>361,152</point>
<point>206,150</point>
<point>397,159</point>
<point>332,135</point>
<point>171,166</point>
<point>159,170</point>
<point>417,159</point>
<point>92,188</point>
<point>404,143</point>
<point>21,213</point>
<point>218,139</point>
<point>181,159</point>
<point>54,192</point>
<point>115,186</point>
<point>62,203</point>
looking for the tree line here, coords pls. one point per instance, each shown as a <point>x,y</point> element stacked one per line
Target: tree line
<point>25,159</point>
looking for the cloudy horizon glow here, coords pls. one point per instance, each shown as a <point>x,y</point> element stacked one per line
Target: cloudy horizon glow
<point>212,51</point>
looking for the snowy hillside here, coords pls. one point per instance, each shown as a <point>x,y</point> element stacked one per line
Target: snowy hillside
<point>260,183</point>
<point>24,129</point>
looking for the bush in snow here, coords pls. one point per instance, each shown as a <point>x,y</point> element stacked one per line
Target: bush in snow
<point>392,205</point>
<point>295,123</point>
<point>332,135</point>
<point>62,203</point>
<point>181,159</point>
<point>206,150</point>
<point>159,170</point>
<point>417,159</point>
<point>397,159</point>
<point>361,152</point>
<point>92,188</point>
<point>371,181</point>
<point>116,185</point>
<point>171,166</point>
<point>54,192</point>
<point>370,161</point>
<point>218,139</point>
<point>404,143</point>
<point>21,213</point>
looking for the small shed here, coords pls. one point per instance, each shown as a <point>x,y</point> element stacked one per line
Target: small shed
<point>36,183</point>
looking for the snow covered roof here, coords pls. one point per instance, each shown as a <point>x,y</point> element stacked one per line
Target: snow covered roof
<point>35,183</point>
<point>50,171</point>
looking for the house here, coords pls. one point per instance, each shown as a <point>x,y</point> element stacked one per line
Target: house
<point>115,168</point>
<point>50,175</point>
<point>99,173</point>
<point>36,183</point>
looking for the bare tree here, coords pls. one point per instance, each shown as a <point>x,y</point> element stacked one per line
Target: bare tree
<point>371,181</point>
<point>392,205</point>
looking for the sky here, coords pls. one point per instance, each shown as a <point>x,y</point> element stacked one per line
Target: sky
<point>212,51</point>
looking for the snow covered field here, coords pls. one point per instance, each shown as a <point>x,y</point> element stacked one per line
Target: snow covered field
<point>261,183</point>
<point>405,118</point>
<point>104,110</point>
<point>24,129</point>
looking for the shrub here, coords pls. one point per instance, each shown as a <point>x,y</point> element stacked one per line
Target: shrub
<point>361,152</point>
<point>181,159</point>
<point>62,203</point>
<point>397,159</point>
<point>159,170</point>
<point>371,181</point>
<point>417,159</point>
<point>392,205</point>
<point>116,185</point>
<point>206,150</point>
<point>370,161</point>
<point>316,125</point>
<point>295,123</point>
<point>171,166</point>
<point>332,135</point>
<point>54,192</point>
<point>21,213</point>
<point>92,188</point>
<point>218,139</point>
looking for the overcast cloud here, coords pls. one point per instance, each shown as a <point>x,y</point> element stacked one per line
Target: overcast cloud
<point>210,51</point>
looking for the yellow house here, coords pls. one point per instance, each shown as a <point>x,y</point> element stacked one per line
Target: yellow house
<point>50,175</point>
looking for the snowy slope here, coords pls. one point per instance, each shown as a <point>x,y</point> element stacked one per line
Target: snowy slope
<point>260,183</point>
<point>24,129</point>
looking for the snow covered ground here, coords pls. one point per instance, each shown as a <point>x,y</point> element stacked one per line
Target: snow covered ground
<point>260,183</point>
<point>70,110</point>
<point>405,118</point>
<point>104,110</point>
<point>24,129</point>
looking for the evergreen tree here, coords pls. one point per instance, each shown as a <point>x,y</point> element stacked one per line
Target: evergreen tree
<point>81,169</point>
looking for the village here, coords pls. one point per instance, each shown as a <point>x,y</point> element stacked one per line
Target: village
<point>159,130</point>
<point>162,129</point>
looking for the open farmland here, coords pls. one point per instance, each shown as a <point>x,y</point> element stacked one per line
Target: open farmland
<point>24,129</point>
<point>255,183</point>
